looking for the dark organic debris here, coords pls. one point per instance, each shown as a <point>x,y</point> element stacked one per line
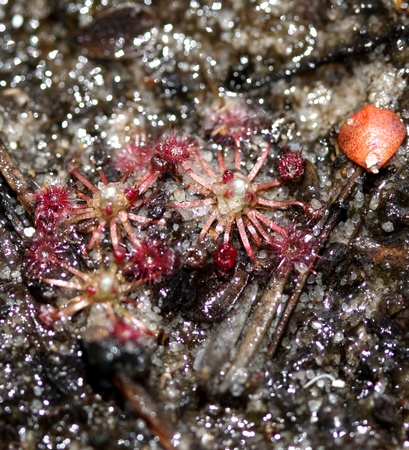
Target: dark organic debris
<point>203,296</point>
<point>117,33</point>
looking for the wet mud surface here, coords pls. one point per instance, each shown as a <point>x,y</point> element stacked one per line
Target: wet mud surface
<point>79,81</point>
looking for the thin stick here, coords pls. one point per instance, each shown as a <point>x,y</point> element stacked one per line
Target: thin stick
<point>260,323</point>
<point>336,210</point>
<point>144,406</point>
<point>16,180</point>
<point>214,355</point>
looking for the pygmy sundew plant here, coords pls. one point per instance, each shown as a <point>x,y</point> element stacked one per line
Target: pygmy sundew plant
<point>111,204</point>
<point>293,250</point>
<point>135,156</point>
<point>233,124</point>
<point>151,259</point>
<point>234,198</point>
<point>54,205</point>
<point>46,261</point>
<point>291,165</point>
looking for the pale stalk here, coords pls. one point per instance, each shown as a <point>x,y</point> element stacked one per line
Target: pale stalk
<point>337,209</point>
<point>260,323</point>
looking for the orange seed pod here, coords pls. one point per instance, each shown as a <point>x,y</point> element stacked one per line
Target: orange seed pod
<point>371,136</point>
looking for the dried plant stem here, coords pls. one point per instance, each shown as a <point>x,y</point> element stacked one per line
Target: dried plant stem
<point>287,313</point>
<point>144,406</point>
<point>16,180</point>
<point>337,209</point>
<point>214,355</point>
<point>7,205</point>
<point>260,323</point>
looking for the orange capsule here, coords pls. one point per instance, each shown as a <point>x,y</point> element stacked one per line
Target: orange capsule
<point>371,136</point>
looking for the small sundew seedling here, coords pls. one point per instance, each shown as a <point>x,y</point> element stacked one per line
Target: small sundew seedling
<point>232,125</point>
<point>170,154</point>
<point>233,197</point>
<point>291,165</point>
<point>293,250</point>
<point>135,156</point>
<point>54,205</point>
<point>174,151</point>
<point>44,255</point>
<point>152,259</point>
<point>111,204</point>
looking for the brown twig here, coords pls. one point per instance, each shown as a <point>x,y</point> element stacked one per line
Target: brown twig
<point>16,180</point>
<point>144,407</point>
<point>260,323</point>
<point>214,355</point>
<point>336,210</point>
